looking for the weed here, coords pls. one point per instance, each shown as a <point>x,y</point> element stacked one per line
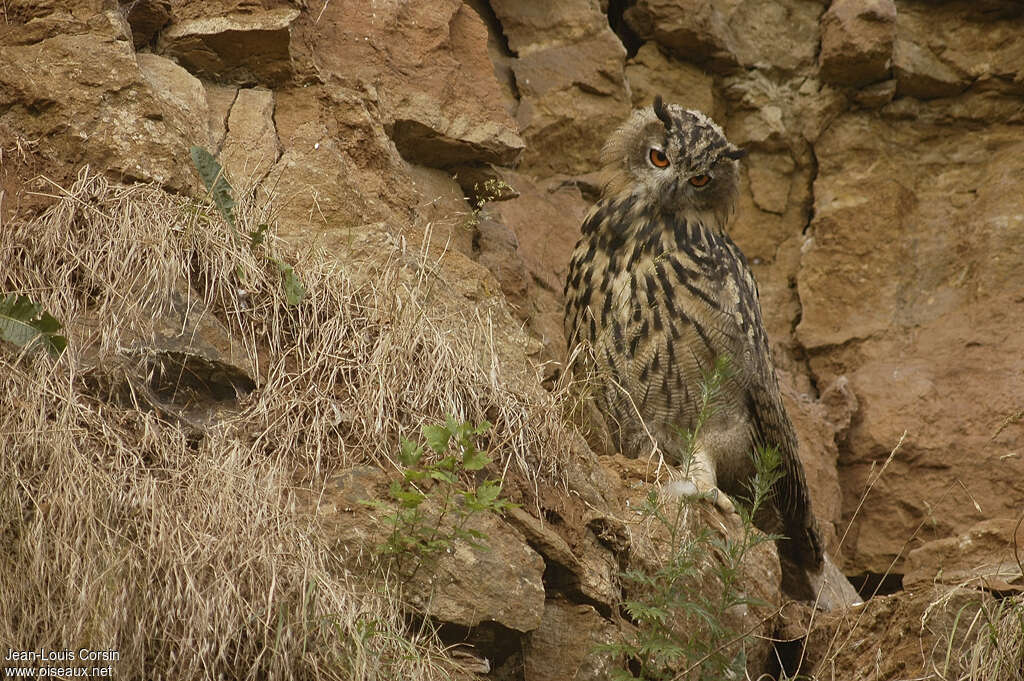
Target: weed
<point>433,503</point>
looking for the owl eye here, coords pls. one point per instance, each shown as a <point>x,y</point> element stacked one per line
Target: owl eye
<point>700,180</point>
<point>658,158</point>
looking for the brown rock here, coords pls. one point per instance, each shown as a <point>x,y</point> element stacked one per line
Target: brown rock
<point>652,73</point>
<point>338,168</point>
<point>443,206</point>
<point>245,49</point>
<point>469,586</point>
<point>562,647</point>
<point>771,176</point>
<point>464,586</point>
<point>597,575</point>
<point>544,224</point>
<point>146,18</point>
<point>428,65</point>
<point>857,41</point>
<point>876,95</point>
<point>250,145</point>
<point>989,554</point>
<point>978,43</point>
<point>27,23</point>
<point>498,250</point>
<point>569,76</point>
<point>919,73</point>
<point>695,31</point>
<point>532,25</point>
<point>913,634</point>
<point>85,101</point>
<point>571,96</point>
<point>724,36</point>
<point>546,218</point>
<point>220,98</point>
<point>181,91</point>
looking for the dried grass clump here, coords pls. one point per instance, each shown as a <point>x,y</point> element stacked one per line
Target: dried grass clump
<point>123,529</point>
<point>998,653</point>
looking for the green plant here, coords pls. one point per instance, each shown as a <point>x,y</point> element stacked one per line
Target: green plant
<point>220,191</point>
<point>679,607</point>
<point>23,322</point>
<point>432,502</point>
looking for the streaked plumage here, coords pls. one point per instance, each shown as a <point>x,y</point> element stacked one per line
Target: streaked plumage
<point>659,292</point>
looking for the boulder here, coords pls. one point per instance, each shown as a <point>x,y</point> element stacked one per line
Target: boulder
<point>570,79</point>
<point>429,67</point>
<point>147,18</point>
<point>651,72</point>
<point>562,647</point>
<point>242,49</point>
<point>84,98</point>
<point>725,36</point>
<point>179,90</point>
<point>857,41</point>
<point>250,148</point>
<point>989,555</point>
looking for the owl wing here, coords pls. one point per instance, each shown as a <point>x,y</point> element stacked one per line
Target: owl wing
<point>772,427</point>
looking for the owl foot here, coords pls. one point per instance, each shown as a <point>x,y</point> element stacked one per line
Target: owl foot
<point>692,490</point>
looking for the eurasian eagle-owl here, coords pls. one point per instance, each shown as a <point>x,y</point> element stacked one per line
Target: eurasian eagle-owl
<point>660,293</point>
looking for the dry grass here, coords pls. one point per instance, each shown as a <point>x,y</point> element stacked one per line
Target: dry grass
<point>998,653</point>
<point>123,529</point>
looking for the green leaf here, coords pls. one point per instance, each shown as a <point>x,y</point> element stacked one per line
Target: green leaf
<point>409,453</point>
<point>473,460</point>
<point>437,437</point>
<point>22,323</point>
<point>408,498</point>
<point>213,177</point>
<point>443,476</point>
<point>487,493</point>
<point>294,291</point>
<point>258,236</point>
<point>414,475</point>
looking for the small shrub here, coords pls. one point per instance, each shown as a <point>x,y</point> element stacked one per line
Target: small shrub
<point>432,502</point>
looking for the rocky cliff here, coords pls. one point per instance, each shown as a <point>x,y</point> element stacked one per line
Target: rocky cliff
<point>882,209</point>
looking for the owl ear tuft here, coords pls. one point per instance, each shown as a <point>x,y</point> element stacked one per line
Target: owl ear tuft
<point>662,113</point>
<point>734,152</point>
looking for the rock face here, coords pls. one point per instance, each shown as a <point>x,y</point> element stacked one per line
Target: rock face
<point>910,312</point>
<point>881,210</point>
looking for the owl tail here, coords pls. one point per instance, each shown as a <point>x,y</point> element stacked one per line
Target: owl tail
<point>802,544</point>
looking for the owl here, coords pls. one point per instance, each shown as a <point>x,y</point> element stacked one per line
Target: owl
<point>660,295</point>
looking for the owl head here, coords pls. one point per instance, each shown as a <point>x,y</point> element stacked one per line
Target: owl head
<point>675,158</point>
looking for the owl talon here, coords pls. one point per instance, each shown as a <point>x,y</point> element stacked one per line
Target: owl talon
<point>721,500</point>
<point>692,490</point>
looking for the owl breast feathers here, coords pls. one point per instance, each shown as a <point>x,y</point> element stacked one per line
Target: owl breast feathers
<point>660,295</point>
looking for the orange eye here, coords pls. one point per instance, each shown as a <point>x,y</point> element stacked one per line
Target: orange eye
<point>700,180</point>
<point>658,158</point>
